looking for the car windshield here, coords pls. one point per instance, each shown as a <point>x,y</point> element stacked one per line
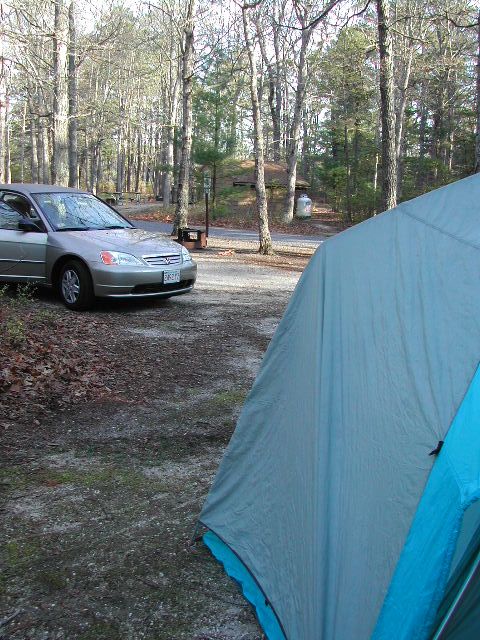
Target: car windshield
<point>78,212</point>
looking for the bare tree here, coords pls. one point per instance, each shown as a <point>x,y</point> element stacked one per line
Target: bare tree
<point>72,99</point>
<point>274,14</point>
<point>304,15</point>
<point>181,210</point>
<point>261,196</point>
<point>3,105</point>
<point>477,136</point>
<point>7,139</point>
<point>22,140</point>
<point>406,41</point>
<point>387,106</point>
<point>172,105</point>
<point>308,22</point>
<point>60,95</point>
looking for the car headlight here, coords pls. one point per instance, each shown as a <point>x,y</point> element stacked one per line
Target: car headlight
<point>114,258</point>
<point>186,257</point>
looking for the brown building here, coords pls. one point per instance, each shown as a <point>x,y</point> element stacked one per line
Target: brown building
<point>275,176</point>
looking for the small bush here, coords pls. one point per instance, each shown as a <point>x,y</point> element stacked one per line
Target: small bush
<point>11,312</point>
<point>15,330</point>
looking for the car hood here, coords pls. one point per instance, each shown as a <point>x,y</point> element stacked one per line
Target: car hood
<point>135,241</point>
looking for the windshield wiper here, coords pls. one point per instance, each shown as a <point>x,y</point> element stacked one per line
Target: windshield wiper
<point>116,226</point>
<point>74,228</point>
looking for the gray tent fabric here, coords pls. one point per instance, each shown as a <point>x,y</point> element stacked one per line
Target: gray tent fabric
<point>321,481</point>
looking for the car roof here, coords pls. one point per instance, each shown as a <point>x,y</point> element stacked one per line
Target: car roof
<point>38,188</point>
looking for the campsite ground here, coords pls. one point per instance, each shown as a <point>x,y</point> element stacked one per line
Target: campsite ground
<point>112,425</point>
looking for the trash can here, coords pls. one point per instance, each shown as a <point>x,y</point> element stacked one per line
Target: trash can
<point>304,207</point>
<point>192,238</point>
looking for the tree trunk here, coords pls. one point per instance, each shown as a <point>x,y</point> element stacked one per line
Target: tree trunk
<point>333,131</point>
<point>305,144</point>
<point>273,96</point>
<point>181,210</point>
<point>60,95</point>
<point>277,120</point>
<point>421,177</point>
<point>155,162</point>
<point>98,175</point>
<point>147,151</point>
<point>94,163</point>
<point>271,105</point>
<point>33,140</point>
<point>72,100</point>
<point>232,138</point>
<point>295,131</point>
<point>261,196</point>
<point>129,160</point>
<point>450,128</point>
<point>8,176</point>
<point>88,177</point>
<point>3,109</point>
<point>120,159</point>
<point>22,141</point>
<point>172,117</point>
<point>389,168</point>
<point>138,168</point>
<point>348,208</point>
<point>377,157</point>
<point>356,145</point>
<point>477,136</point>
<point>42,149</point>
<point>216,141</point>
<point>285,111</point>
<point>400,119</point>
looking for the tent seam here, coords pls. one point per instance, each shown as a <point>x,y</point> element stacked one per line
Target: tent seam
<point>442,231</point>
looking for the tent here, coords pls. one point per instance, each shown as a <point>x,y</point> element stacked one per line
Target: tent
<point>336,506</point>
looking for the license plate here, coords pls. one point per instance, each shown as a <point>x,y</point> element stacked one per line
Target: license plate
<point>171,276</point>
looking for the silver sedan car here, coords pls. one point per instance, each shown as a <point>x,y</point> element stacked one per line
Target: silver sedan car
<point>71,240</point>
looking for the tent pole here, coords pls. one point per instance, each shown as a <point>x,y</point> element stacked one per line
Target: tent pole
<point>458,597</point>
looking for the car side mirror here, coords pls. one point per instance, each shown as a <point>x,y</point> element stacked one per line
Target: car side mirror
<point>28,225</point>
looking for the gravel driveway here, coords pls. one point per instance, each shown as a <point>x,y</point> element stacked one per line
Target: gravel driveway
<point>96,513</point>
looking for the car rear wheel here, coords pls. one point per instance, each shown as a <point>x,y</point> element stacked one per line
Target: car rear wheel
<point>75,286</point>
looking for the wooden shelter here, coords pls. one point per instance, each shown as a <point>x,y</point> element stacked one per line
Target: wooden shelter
<point>275,176</point>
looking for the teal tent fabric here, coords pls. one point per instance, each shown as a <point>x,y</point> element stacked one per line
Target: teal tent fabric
<point>420,579</point>
<point>237,570</point>
<point>327,491</point>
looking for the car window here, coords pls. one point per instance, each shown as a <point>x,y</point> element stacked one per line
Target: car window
<point>17,202</point>
<point>23,206</point>
<point>78,211</point>
<point>9,218</point>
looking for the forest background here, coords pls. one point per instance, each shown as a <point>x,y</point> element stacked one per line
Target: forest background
<point>372,102</point>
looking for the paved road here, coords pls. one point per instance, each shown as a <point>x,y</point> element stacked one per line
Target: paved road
<point>240,234</point>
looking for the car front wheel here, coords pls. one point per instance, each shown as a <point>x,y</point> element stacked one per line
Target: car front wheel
<point>75,286</point>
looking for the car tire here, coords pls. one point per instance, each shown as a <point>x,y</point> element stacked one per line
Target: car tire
<point>75,286</point>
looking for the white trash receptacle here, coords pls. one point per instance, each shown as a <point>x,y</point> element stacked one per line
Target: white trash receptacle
<point>304,207</point>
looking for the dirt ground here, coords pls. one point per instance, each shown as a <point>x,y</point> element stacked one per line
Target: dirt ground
<point>99,497</point>
<point>323,221</point>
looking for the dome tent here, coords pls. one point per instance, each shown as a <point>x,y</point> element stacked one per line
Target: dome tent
<point>327,506</point>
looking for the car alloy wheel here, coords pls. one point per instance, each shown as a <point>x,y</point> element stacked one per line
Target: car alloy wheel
<point>75,285</point>
<point>70,286</point>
